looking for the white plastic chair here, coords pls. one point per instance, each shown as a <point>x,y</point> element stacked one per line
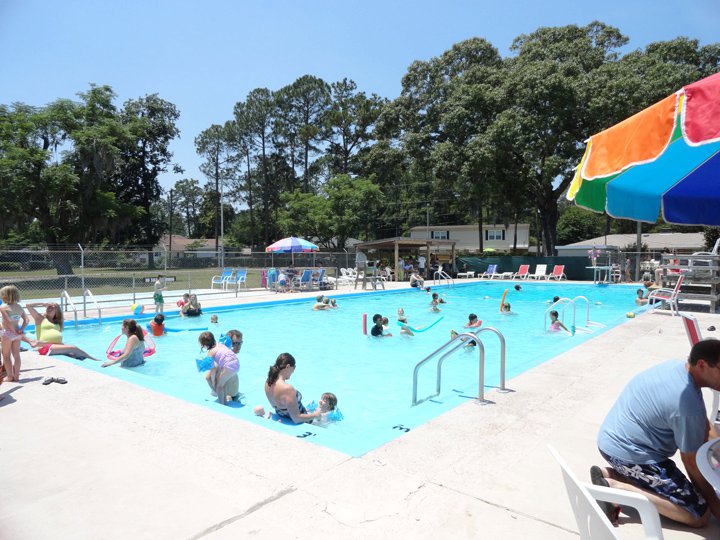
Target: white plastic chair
<point>591,521</point>
<point>708,461</point>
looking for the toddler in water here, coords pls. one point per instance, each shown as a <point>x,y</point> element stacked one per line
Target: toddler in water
<point>213,319</point>
<point>404,330</point>
<point>328,412</point>
<point>157,325</point>
<point>13,330</point>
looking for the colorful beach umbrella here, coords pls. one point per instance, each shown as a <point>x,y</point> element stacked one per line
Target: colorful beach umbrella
<point>663,161</point>
<point>292,245</point>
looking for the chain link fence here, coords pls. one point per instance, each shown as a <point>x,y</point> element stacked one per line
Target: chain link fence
<point>42,273</point>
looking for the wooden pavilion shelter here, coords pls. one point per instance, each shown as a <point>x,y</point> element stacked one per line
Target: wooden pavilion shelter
<point>406,244</point>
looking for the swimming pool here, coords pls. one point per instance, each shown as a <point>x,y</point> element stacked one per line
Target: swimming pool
<point>372,378</point>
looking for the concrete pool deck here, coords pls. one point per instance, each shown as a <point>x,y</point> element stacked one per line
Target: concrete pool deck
<point>102,458</point>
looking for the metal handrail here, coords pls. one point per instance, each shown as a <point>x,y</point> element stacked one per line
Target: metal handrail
<point>440,274</point>
<point>88,292</point>
<point>66,301</point>
<point>565,302</point>
<point>449,348</point>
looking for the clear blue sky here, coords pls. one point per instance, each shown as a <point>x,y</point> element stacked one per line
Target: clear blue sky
<point>206,56</point>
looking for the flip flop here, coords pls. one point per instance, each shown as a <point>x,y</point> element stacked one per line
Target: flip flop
<point>49,380</point>
<point>60,380</point>
<point>612,511</point>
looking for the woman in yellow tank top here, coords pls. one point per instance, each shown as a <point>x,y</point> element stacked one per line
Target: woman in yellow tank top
<point>48,329</point>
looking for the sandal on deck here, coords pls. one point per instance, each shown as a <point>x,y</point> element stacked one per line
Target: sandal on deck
<point>612,511</point>
<point>48,380</point>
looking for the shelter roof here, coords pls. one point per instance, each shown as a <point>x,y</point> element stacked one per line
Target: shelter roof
<point>404,243</point>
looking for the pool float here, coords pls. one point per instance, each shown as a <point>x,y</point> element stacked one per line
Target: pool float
<point>502,301</point>
<point>204,364</point>
<point>364,324</point>
<point>335,415</point>
<point>198,329</point>
<point>225,340</point>
<point>137,309</point>
<point>423,328</point>
<point>112,354</point>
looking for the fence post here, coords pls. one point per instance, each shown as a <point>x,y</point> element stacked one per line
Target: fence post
<point>133,288</point>
<point>82,278</point>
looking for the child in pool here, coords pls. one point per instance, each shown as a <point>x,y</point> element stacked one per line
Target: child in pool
<point>404,330</point>
<point>13,330</point>
<point>157,325</point>
<point>213,319</point>
<point>555,324</point>
<point>435,303</point>
<point>468,345</point>
<point>505,309</point>
<point>473,321</point>
<point>327,404</point>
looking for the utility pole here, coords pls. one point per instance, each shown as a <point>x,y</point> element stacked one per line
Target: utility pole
<point>427,220</point>
<point>170,231</point>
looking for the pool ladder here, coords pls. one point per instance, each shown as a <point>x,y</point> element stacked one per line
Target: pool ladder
<point>562,305</point>
<point>441,276</point>
<point>66,304</point>
<point>452,346</point>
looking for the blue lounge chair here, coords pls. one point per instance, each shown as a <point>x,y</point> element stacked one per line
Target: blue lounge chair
<point>490,272</point>
<point>237,278</point>
<point>221,279</point>
<point>305,280</point>
<point>318,280</point>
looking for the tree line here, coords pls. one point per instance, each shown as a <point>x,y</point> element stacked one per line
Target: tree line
<point>473,137</point>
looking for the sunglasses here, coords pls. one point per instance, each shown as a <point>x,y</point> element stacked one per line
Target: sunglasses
<point>237,342</point>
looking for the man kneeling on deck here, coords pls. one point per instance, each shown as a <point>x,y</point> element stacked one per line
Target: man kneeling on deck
<point>660,411</point>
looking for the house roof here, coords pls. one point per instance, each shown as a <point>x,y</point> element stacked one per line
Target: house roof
<point>180,243</point>
<point>472,226</point>
<point>653,241</point>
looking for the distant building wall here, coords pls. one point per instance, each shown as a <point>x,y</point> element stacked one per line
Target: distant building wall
<point>495,236</point>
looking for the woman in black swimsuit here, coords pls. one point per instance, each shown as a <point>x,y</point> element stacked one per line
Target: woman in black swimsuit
<point>282,396</point>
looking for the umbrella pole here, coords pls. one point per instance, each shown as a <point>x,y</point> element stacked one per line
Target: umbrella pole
<point>638,247</point>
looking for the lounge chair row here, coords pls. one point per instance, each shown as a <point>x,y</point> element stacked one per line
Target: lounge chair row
<point>309,279</point>
<point>522,273</point>
<point>230,277</point>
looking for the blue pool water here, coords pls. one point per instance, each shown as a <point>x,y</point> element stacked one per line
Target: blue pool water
<point>372,378</point>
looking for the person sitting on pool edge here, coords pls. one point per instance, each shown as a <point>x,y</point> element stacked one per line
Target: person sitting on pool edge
<point>192,308</point>
<point>49,329</point>
<point>286,401</point>
<point>417,281</point>
<point>377,330</point>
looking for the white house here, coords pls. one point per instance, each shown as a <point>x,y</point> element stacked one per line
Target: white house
<point>495,236</point>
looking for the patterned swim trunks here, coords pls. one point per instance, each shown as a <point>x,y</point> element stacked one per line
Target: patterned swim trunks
<point>663,478</point>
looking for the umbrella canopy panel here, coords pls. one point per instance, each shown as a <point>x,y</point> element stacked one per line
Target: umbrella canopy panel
<point>647,166</point>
